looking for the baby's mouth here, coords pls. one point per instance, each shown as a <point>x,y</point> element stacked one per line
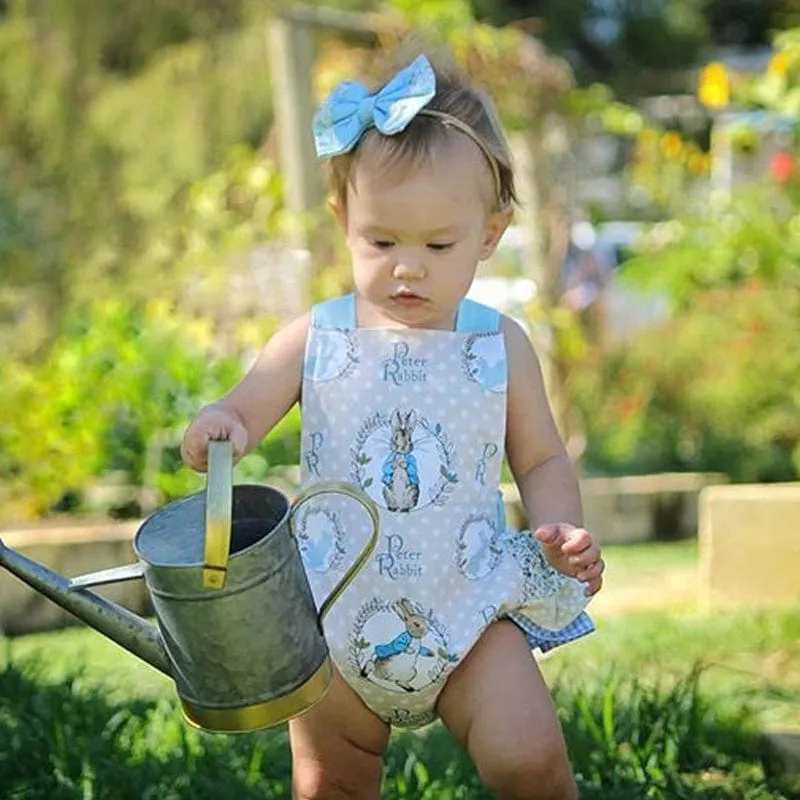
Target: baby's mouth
<point>406,296</point>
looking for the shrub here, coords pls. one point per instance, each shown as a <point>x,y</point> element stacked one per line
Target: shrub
<point>714,388</point>
<point>119,378</point>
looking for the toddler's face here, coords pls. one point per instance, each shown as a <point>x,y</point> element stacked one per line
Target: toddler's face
<point>416,236</point>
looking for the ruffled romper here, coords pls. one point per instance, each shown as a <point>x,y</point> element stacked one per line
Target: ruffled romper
<point>416,418</point>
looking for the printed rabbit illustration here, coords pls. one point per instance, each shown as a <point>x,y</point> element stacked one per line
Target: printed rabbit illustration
<point>400,477</point>
<point>396,661</point>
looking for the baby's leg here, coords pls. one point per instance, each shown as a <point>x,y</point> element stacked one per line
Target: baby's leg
<point>337,748</point>
<point>498,706</point>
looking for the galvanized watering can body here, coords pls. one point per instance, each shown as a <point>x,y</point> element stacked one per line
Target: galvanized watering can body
<point>238,629</point>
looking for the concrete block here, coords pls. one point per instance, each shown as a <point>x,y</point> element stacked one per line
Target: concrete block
<point>750,544</point>
<point>637,508</point>
<point>69,550</point>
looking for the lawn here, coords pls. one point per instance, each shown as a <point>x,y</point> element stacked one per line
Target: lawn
<point>660,702</point>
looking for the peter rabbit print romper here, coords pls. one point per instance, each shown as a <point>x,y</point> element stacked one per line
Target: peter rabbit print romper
<point>416,418</point>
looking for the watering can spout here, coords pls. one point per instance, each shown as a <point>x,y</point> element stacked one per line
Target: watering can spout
<point>119,624</point>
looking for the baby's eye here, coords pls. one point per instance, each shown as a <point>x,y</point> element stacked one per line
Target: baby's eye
<point>382,244</point>
<point>440,247</point>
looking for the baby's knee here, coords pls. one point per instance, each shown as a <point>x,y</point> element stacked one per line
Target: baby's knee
<point>530,771</point>
<point>332,787</point>
<point>313,781</point>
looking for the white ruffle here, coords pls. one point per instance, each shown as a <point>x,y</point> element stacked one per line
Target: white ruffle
<point>547,597</point>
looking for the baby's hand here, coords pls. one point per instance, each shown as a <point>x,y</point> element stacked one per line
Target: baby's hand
<point>574,552</point>
<point>211,424</point>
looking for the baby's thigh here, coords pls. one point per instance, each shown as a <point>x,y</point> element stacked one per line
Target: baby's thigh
<point>338,747</point>
<point>498,706</point>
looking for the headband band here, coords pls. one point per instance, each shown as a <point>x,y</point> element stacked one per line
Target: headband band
<point>448,120</point>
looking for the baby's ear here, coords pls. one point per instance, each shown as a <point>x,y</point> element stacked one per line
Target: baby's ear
<point>496,225</point>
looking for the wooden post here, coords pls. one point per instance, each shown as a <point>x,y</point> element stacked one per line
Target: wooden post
<point>291,62</point>
<point>290,40</point>
<point>291,55</point>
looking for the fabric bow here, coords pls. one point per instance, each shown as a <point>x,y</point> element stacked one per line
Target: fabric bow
<point>350,109</point>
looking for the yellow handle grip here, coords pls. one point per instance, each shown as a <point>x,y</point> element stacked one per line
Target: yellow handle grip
<point>219,508</point>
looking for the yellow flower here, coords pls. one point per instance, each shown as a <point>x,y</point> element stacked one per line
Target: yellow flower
<point>714,88</point>
<point>672,145</point>
<point>698,163</point>
<point>778,65</point>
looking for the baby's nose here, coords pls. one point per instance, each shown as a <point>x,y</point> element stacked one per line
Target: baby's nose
<point>409,267</point>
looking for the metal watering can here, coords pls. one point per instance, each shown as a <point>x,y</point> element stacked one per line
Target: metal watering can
<point>237,627</point>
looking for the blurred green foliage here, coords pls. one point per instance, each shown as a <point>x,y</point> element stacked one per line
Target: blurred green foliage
<point>125,374</point>
<point>642,49</point>
<point>754,237</point>
<point>101,142</point>
<point>138,191</point>
<point>717,386</point>
<point>116,378</point>
<point>130,199</point>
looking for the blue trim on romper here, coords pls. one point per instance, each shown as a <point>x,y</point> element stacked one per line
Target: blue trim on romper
<point>477,318</point>
<point>544,639</point>
<point>340,314</point>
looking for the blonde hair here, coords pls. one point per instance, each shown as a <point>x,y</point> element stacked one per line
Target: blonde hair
<point>456,98</point>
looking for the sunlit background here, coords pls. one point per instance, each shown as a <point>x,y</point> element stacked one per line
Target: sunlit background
<point>161,214</point>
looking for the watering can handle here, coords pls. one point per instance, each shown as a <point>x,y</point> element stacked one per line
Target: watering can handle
<point>219,507</point>
<point>346,489</point>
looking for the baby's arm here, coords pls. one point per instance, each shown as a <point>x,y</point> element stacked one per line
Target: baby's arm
<point>252,408</point>
<point>537,456</point>
<point>544,474</point>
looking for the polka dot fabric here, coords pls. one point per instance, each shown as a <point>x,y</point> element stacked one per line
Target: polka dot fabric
<point>416,418</point>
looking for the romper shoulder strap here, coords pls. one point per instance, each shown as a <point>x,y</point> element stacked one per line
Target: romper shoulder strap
<point>477,318</point>
<point>339,313</point>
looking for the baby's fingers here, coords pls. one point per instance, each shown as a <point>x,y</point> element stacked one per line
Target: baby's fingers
<point>553,534</point>
<point>579,542</point>
<point>592,571</point>
<point>194,452</point>
<point>238,437</point>
<point>194,448</point>
<point>593,586</point>
<point>585,558</point>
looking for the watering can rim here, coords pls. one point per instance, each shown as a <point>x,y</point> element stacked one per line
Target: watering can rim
<point>239,488</point>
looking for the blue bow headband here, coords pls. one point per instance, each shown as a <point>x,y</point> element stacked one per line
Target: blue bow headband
<point>351,110</point>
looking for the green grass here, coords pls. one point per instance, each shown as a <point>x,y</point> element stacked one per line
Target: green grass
<point>745,655</point>
<point>628,739</point>
<point>654,705</point>
<point>88,659</point>
<point>750,654</point>
<point>638,562</point>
